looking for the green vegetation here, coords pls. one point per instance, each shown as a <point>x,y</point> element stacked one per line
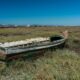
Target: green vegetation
<point>57,65</point>
<point>13,34</point>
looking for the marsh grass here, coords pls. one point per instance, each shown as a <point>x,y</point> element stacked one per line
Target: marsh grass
<point>13,34</point>
<point>58,65</point>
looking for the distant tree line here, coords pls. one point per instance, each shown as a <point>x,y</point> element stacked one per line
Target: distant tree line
<point>15,26</point>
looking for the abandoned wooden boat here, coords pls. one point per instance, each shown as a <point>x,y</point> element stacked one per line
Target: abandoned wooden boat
<point>30,45</point>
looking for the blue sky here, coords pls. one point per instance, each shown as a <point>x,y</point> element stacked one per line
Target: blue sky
<point>44,12</point>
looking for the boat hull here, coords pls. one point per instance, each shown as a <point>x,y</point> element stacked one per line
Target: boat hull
<point>34,52</point>
<point>26,50</point>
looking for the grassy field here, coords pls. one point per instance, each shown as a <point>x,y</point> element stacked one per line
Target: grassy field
<point>11,34</point>
<point>14,34</point>
<point>56,65</point>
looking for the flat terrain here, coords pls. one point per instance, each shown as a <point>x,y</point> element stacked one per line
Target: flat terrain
<point>52,65</point>
<point>11,34</point>
<point>14,34</point>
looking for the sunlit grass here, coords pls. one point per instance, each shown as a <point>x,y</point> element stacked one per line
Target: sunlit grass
<point>13,34</point>
<point>58,65</point>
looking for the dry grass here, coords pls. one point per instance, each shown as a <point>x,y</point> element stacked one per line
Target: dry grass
<point>58,65</point>
<point>12,34</point>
